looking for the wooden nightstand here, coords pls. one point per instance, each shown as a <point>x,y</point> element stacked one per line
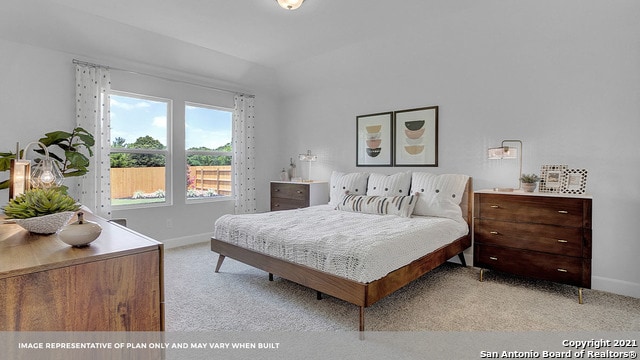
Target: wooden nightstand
<point>294,195</point>
<point>538,235</point>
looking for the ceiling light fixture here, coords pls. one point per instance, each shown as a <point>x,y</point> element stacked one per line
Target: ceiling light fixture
<point>290,4</point>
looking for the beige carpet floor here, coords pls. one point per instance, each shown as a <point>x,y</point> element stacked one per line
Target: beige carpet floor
<point>449,298</point>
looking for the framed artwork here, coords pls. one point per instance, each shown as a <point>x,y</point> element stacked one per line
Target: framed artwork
<point>551,178</point>
<point>416,137</point>
<point>574,181</point>
<point>374,143</point>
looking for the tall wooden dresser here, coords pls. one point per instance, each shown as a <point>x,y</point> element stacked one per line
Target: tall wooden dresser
<point>538,235</point>
<point>293,195</point>
<point>114,284</point>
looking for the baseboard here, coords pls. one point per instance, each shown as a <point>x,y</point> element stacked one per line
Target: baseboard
<point>186,240</point>
<point>619,287</point>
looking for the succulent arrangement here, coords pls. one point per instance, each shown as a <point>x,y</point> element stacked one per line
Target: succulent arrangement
<point>529,178</point>
<point>39,202</point>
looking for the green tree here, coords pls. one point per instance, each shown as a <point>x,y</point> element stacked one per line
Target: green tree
<point>147,160</point>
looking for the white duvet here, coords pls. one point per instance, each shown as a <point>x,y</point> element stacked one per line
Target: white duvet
<point>356,246</point>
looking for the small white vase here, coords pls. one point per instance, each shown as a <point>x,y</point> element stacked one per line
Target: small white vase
<point>80,233</point>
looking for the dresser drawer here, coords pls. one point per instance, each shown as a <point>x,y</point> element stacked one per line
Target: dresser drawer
<point>287,204</point>
<point>532,209</point>
<point>563,269</point>
<point>545,238</point>
<point>290,191</point>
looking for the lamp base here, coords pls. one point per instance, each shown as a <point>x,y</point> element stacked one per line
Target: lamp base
<point>504,189</point>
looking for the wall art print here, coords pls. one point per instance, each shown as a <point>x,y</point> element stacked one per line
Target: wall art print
<point>416,137</point>
<point>374,142</point>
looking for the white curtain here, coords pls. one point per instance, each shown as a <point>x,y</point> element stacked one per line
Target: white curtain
<point>244,154</point>
<point>93,85</point>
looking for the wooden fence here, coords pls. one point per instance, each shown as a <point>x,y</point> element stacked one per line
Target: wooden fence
<point>127,181</point>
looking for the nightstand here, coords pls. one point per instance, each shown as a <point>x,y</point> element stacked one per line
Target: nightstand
<point>294,195</point>
<point>537,235</point>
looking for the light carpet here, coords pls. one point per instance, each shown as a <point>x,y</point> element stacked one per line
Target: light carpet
<point>449,298</point>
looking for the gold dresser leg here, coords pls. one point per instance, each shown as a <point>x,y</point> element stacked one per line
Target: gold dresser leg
<point>579,295</point>
<point>481,275</point>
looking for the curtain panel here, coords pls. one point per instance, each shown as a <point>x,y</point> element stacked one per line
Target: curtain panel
<point>244,154</point>
<point>93,84</point>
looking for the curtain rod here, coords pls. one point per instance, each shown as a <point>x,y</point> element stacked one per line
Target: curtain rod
<point>85,63</point>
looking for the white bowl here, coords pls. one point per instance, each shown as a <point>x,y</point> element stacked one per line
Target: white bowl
<point>47,224</point>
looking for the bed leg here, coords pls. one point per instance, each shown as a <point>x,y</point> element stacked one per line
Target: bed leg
<point>462,259</point>
<point>361,327</point>
<point>270,277</point>
<point>220,260</point>
<point>318,295</point>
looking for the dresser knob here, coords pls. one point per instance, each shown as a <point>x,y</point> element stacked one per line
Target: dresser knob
<point>299,192</point>
<point>563,270</point>
<point>493,258</point>
<point>563,211</point>
<point>276,205</point>
<point>493,232</point>
<point>562,241</point>
<point>276,189</point>
<point>495,206</point>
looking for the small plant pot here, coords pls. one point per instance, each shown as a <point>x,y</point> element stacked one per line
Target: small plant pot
<point>529,187</point>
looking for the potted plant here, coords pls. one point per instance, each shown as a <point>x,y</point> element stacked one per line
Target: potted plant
<point>41,211</point>
<point>529,182</point>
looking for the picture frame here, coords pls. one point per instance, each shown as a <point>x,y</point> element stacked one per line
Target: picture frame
<point>551,178</point>
<point>574,181</point>
<point>374,139</point>
<point>416,137</point>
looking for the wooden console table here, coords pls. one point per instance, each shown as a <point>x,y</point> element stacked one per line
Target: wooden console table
<point>114,284</point>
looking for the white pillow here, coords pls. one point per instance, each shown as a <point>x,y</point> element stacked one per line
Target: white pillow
<point>389,185</point>
<point>440,195</point>
<point>383,205</point>
<point>341,183</point>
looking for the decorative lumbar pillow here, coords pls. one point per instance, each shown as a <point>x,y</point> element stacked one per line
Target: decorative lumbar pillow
<point>384,205</point>
<point>440,195</point>
<point>389,185</point>
<point>340,183</point>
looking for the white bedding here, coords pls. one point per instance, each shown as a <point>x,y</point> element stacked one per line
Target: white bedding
<point>356,246</point>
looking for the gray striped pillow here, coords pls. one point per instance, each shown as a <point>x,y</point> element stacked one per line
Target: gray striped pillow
<point>383,205</point>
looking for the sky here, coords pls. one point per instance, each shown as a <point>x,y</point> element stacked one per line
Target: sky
<point>133,117</point>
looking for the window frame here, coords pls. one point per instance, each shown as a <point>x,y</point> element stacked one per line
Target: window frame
<point>196,200</point>
<point>167,152</point>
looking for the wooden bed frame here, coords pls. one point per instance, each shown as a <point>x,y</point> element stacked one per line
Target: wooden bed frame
<point>360,294</point>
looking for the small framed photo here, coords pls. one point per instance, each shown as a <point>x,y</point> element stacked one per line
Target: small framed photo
<point>374,142</point>
<point>574,181</point>
<point>416,137</point>
<point>551,178</point>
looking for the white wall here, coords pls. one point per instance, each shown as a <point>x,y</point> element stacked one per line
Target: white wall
<point>561,76</point>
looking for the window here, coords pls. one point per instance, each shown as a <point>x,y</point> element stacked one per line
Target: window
<point>208,134</point>
<point>140,150</point>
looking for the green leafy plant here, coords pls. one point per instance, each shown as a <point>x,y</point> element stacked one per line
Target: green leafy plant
<point>39,202</point>
<point>65,149</point>
<point>529,178</point>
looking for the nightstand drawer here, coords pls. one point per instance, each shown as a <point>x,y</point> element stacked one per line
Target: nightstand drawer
<point>290,191</point>
<point>532,209</point>
<point>545,238</point>
<point>287,204</point>
<point>563,269</point>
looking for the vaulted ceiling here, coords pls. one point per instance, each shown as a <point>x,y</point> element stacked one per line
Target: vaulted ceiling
<point>258,31</point>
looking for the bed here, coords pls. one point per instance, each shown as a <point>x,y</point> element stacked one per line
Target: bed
<point>356,256</point>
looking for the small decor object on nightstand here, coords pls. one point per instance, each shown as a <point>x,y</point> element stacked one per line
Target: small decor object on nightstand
<point>574,181</point>
<point>80,233</point>
<point>41,211</point>
<point>529,182</point>
<point>551,178</point>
